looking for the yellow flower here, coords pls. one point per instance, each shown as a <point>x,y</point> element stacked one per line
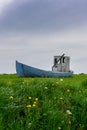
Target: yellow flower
<point>59,128</point>
<point>36,99</point>
<point>28,106</point>
<point>61,80</point>
<point>34,102</point>
<point>34,105</point>
<point>11,97</point>
<point>61,98</point>
<point>29,97</point>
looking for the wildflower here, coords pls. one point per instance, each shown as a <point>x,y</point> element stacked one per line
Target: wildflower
<point>61,98</point>
<point>11,97</point>
<point>36,99</point>
<point>29,124</point>
<point>59,128</point>
<point>70,122</point>
<point>68,112</point>
<point>28,106</point>
<point>29,97</point>
<point>34,102</point>
<point>61,80</point>
<point>68,90</point>
<point>34,105</point>
<point>46,88</point>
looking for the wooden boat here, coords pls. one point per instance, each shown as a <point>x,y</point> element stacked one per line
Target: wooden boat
<point>28,71</point>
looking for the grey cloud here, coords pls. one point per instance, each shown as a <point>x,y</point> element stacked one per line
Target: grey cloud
<point>48,15</point>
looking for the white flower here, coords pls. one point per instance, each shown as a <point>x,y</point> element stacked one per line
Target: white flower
<point>69,122</point>
<point>68,112</point>
<point>46,88</point>
<point>59,128</point>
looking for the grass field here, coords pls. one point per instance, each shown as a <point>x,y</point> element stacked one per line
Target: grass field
<point>43,103</point>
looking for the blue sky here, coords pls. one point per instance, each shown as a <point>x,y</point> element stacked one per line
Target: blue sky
<point>33,31</point>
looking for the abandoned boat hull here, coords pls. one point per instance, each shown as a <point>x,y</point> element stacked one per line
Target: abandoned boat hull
<point>28,71</point>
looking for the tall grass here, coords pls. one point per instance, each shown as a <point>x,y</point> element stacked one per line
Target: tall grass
<point>43,103</point>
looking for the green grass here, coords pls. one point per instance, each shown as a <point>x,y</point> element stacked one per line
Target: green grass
<point>43,103</point>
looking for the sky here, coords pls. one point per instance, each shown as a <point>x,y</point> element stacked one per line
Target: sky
<point>33,31</point>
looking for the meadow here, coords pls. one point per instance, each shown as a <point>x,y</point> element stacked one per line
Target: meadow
<point>43,103</point>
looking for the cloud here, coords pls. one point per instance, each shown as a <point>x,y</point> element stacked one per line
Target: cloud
<point>45,16</point>
<point>4,4</point>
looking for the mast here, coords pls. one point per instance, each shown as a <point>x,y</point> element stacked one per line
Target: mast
<point>58,61</point>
